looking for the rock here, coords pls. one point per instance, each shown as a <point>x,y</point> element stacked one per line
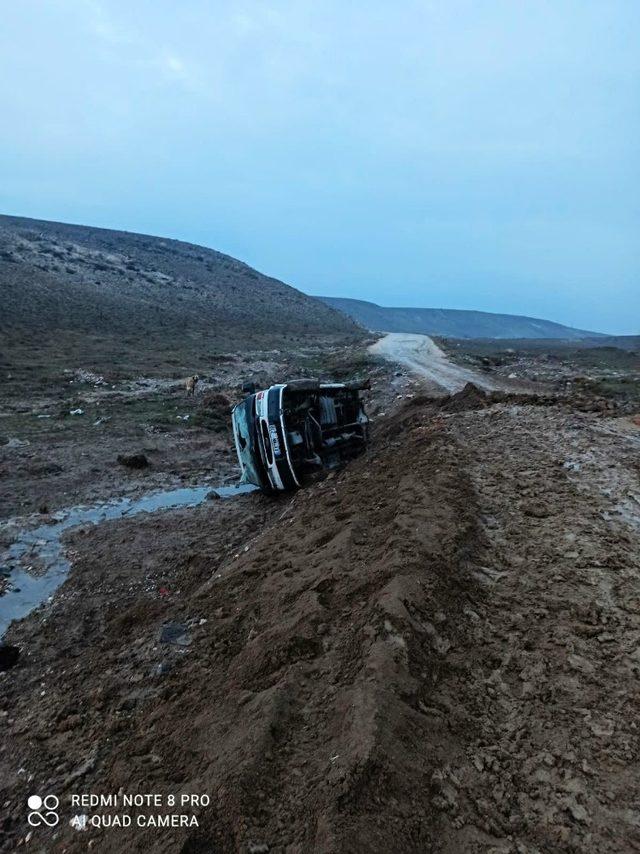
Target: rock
<point>133,461</point>
<point>9,655</point>
<point>603,730</point>
<point>577,662</point>
<point>577,811</point>
<point>258,848</point>
<point>538,510</point>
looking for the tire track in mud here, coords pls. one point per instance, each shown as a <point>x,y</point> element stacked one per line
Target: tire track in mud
<point>552,676</point>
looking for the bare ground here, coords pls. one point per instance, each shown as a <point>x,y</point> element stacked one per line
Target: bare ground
<point>435,650</point>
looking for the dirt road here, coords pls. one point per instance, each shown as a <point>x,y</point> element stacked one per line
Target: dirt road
<point>422,356</point>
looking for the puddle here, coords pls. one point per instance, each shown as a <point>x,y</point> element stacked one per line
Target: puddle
<point>42,546</point>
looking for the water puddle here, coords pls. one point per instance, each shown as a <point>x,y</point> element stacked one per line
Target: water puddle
<point>42,547</point>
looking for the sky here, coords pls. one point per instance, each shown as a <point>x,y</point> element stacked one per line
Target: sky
<point>479,154</point>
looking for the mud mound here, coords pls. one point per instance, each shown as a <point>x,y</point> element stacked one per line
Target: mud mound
<point>471,397</point>
<point>311,693</point>
<point>423,410</point>
<point>305,702</point>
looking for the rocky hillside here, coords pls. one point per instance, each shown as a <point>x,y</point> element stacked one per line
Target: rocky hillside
<point>452,323</point>
<point>60,279</point>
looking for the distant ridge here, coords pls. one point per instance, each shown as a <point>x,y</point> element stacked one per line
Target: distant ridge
<point>453,323</point>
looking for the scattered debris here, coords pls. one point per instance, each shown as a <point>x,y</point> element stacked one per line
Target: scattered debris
<point>175,633</point>
<point>88,377</point>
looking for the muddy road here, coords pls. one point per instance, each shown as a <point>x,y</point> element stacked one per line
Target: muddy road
<point>424,358</point>
<point>435,649</point>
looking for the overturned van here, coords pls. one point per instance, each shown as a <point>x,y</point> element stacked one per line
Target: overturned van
<point>287,432</point>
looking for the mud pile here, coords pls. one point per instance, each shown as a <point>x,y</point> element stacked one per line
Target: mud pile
<point>304,701</point>
<point>313,692</point>
<point>470,397</point>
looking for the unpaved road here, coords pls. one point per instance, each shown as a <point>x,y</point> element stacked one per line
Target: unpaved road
<point>422,356</point>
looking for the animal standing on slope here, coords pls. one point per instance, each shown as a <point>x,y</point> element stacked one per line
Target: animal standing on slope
<point>191,383</point>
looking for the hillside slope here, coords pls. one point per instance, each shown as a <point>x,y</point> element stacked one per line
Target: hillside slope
<point>76,279</point>
<point>451,323</point>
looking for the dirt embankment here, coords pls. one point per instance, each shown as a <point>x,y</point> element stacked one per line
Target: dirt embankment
<point>304,704</point>
<point>434,650</point>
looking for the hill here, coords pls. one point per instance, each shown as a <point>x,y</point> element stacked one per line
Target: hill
<point>63,283</point>
<point>452,323</point>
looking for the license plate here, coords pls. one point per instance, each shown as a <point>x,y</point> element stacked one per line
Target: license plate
<point>275,442</point>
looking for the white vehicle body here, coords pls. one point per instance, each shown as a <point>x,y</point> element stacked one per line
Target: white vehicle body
<point>284,433</point>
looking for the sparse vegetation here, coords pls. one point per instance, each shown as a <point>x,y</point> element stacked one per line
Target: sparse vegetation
<point>117,299</point>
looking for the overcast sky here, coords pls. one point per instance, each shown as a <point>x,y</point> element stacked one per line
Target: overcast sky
<point>450,153</point>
